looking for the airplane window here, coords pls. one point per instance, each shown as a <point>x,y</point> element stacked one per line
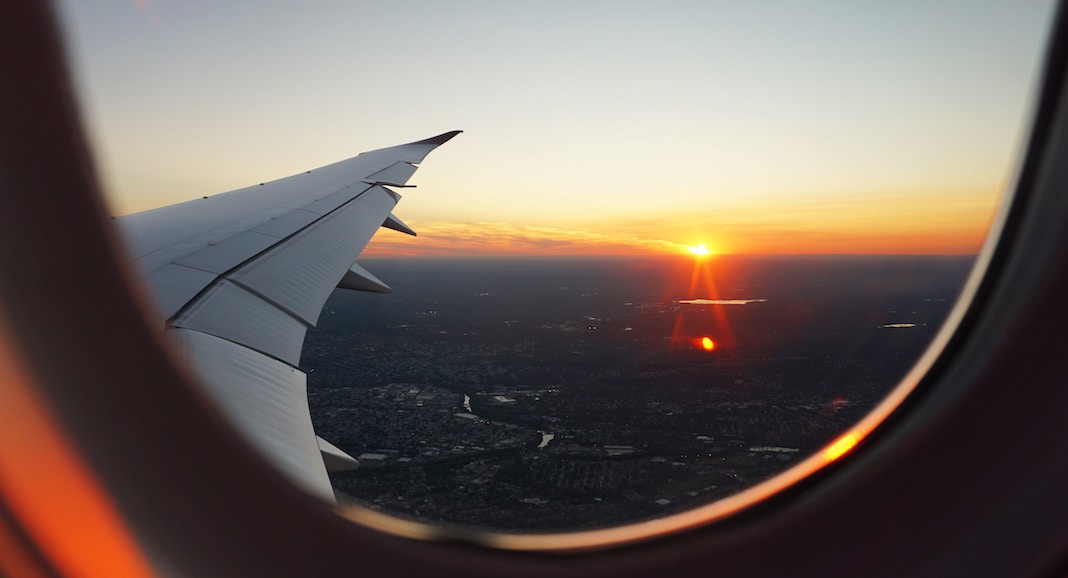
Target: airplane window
<point>681,252</point>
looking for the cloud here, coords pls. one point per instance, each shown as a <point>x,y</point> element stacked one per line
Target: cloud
<point>442,238</point>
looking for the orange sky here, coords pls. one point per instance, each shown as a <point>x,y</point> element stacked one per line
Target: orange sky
<point>455,239</point>
<point>901,224</point>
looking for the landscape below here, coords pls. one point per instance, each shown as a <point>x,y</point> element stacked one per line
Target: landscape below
<point>545,395</point>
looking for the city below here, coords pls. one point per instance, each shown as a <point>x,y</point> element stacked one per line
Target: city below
<point>550,395</point>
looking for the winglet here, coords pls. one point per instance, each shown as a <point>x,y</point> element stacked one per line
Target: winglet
<point>359,279</point>
<point>440,139</point>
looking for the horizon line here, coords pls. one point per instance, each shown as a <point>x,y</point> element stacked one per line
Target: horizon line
<point>619,257</point>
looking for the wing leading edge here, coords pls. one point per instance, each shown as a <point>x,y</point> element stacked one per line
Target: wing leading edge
<point>239,277</point>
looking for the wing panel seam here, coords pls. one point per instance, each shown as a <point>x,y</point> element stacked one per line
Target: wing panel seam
<point>270,301</point>
<point>226,275</point>
<point>261,352</point>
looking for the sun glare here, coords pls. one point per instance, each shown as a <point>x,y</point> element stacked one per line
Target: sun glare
<point>700,250</point>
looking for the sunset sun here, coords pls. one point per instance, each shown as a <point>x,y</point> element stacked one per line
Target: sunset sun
<point>700,250</point>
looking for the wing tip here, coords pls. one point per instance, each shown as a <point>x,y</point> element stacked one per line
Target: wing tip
<point>439,139</point>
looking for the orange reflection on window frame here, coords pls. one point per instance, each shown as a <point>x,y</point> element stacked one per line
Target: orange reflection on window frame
<point>52,493</point>
<point>841,446</point>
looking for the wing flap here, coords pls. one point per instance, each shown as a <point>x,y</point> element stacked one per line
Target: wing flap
<point>233,313</point>
<point>267,401</point>
<point>299,274</point>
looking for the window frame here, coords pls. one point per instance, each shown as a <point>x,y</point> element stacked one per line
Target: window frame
<point>966,478</point>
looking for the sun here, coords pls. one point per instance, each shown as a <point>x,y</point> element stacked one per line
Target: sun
<point>700,250</point>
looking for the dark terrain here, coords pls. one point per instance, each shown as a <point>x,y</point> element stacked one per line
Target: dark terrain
<point>601,356</point>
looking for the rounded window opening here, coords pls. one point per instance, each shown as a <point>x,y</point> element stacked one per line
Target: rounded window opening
<point>682,250</point>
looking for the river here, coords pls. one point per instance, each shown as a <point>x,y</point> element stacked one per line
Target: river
<point>545,439</point>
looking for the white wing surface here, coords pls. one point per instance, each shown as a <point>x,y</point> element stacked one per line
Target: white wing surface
<point>239,277</point>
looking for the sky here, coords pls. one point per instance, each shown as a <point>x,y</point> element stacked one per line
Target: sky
<point>593,128</point>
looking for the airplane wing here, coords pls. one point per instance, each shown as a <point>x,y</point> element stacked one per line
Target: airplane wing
<point>239,277</point>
